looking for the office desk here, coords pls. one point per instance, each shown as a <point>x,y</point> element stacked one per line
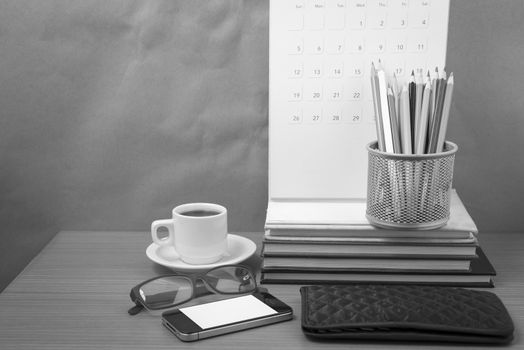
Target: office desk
<point>75,294</point>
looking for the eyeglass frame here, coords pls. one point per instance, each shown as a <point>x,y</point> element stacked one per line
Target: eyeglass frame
<point>136,298</point>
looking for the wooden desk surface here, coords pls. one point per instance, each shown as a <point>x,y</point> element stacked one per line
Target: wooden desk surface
<point>75,294</point>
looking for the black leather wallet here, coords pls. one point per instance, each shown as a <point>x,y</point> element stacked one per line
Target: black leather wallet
<point>404,313</point>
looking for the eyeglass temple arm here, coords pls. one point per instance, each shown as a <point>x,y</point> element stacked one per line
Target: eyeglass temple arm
<point>138,306</point>
<point>135,309</point>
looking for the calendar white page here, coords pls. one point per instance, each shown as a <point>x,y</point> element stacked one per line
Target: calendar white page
<point>320,103</point>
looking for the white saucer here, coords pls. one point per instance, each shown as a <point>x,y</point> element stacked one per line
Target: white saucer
<point>239,249</point>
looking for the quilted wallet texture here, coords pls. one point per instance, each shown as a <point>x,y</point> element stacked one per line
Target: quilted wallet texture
<point>404,313</point>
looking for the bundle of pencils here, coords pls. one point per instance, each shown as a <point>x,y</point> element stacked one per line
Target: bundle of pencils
<point>411,119</point>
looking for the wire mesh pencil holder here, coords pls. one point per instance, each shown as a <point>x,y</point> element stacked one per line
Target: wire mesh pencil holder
<point>409,191</point>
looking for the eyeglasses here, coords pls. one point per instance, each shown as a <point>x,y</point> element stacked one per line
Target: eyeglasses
<point>166,291</point>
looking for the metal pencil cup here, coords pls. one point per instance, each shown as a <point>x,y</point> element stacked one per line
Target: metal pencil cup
<point>409,191</point>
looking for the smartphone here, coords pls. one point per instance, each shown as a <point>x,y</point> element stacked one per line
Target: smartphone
<point>226,316</point>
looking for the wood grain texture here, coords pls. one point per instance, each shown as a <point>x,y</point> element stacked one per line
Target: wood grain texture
<point>75,294</point>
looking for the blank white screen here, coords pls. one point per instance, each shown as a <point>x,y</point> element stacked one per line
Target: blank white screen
<point>227,311</point>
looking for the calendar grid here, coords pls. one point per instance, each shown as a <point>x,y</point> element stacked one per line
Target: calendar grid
<point>321,111</point>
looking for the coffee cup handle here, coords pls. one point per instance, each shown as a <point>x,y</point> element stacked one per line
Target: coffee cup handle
<point>167,223</point>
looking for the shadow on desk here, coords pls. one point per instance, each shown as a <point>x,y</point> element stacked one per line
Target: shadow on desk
<point>19,246</point>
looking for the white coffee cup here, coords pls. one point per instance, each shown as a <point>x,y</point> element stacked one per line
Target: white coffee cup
<point>197,231</point>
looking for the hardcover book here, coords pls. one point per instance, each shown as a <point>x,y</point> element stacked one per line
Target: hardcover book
<point>480,274</point>
<point>280,222</point>
<point>301,248</point>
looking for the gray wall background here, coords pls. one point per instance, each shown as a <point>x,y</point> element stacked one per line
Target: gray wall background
<point>112,112</point>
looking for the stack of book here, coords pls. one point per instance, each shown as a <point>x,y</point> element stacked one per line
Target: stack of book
<point>337,253</point>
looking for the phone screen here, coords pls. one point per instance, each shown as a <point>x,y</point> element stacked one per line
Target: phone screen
<point>227,311</point>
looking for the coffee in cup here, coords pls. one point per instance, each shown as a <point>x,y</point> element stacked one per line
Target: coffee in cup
<point>197,231</point>
<point>200,213</point>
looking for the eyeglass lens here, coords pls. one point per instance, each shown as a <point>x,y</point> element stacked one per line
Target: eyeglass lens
<point>166,291</point>
<point>231,279</point>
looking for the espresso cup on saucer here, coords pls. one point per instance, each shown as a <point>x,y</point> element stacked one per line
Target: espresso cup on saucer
<point>197,231</point>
